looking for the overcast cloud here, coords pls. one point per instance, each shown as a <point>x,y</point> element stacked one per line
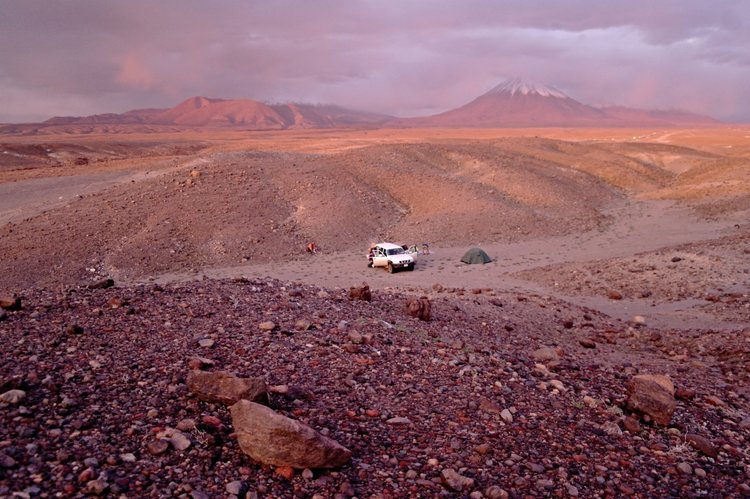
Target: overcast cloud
<point>404,58</point>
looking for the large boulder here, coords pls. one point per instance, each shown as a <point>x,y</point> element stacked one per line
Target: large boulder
<point>226,388</point>
<point>421,308</point>
<point>362,293</point>
<point>271,438</point>
<point>652,394</point>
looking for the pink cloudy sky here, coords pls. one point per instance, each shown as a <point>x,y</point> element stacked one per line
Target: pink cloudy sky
<point>404,57</point>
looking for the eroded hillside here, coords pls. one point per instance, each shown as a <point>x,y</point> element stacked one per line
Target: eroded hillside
<point>228,205</point>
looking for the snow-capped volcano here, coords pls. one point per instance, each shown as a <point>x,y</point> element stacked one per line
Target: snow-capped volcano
<point>522,103</point>
<point>517,86</point>
<point>518,103</point>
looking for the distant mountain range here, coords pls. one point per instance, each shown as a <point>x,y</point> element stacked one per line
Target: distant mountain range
<point>514,103</point>
<point>243,113</point>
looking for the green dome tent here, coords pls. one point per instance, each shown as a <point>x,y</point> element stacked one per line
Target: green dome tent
<point>475,255</point>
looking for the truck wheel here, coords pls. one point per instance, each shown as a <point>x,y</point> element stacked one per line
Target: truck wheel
<point>369,264</point>
<point>390,268</point>
<point>411,267</point>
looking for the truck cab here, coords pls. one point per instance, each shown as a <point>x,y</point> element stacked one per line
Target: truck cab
<point>390,256</point>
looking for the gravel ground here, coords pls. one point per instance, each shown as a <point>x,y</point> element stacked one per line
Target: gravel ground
<point>104,370</point>
<point>713,274</point>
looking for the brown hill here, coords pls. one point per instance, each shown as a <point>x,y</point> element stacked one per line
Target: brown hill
<point>221,113</point>
<point>201,111</point>
<point>300,115</point>
<point>645,117</point>
<point>265,206</point>
<point>135,116</point>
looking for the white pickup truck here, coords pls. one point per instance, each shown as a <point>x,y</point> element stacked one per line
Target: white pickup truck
<point>391,256</point>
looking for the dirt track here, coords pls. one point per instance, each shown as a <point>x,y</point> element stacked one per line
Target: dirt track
<point>639,227</point>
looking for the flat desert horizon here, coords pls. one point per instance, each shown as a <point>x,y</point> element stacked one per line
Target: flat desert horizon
<point>616,253</point>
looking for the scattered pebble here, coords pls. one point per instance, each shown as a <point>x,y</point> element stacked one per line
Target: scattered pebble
<point>206,342</point>
<point>13,396</point>
<point>685,468</point>
<point>267,326</point>
<point>506,415</point>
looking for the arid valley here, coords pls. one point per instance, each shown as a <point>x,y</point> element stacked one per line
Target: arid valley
<point>617,253</point>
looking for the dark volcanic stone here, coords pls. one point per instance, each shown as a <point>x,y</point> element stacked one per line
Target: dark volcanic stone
<point>10,302</point>
<point>702,444</point>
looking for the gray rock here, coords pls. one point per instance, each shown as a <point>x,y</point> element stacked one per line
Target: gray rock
<point>6,461</point>
<point>96,487</point>
<point>225,387</point>
<point>506,415</point>
<point>302,325</point>
<point>234,487</point>
<point>272,438</point>
<point>544,354</point>
<point>535,467</point>
<point>495,492</point>
<point>557,384</point>
<point>611,428</point>
<point>452,480</point>
<point>186,424</point>
<point>545,484</point>
<point>13,396</point>
<point>267,326</point>
<point>176,438</point>
<point>399,420</point>
<point>685,468</point>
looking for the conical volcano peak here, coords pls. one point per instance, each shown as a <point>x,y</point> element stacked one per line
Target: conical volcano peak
<point>518,86</point>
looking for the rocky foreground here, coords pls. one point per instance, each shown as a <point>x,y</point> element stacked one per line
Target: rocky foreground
<point>470,393</point>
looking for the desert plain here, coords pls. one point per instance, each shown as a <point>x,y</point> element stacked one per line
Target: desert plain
<point>616,253</point>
